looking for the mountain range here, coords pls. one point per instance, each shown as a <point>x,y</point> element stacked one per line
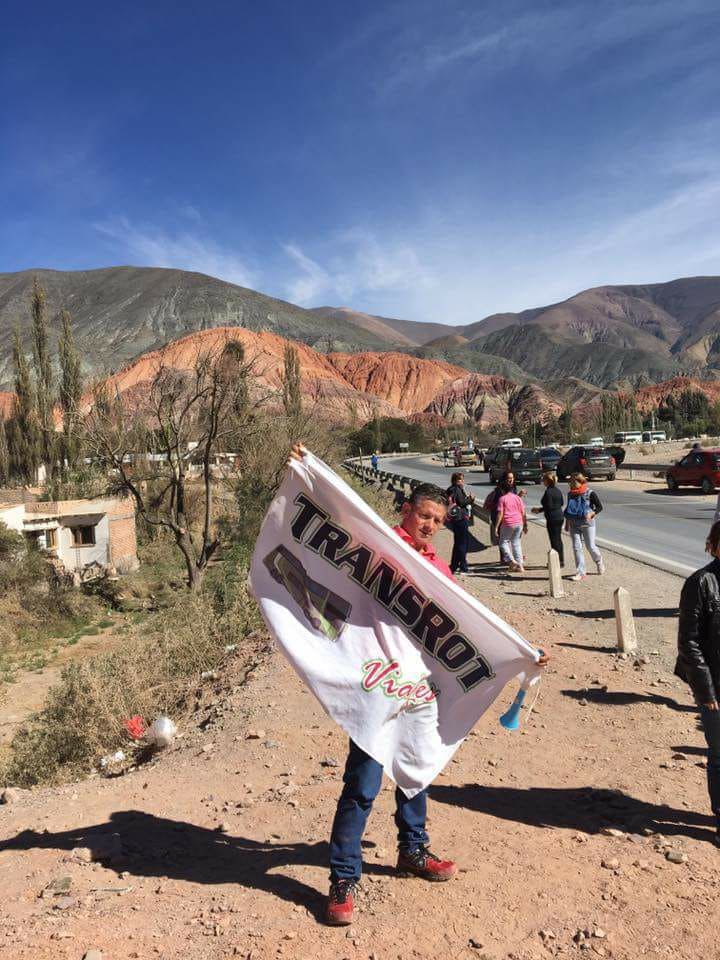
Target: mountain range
<point>605,338</point>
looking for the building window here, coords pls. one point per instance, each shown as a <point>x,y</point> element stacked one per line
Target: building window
<point>83,536</point>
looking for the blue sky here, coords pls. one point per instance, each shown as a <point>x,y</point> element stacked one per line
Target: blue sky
<point>427,160</point>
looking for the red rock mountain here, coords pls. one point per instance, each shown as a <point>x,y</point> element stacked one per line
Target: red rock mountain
<point>648,398</point>
<point>403,380</point>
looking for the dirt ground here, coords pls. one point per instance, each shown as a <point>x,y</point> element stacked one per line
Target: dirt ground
<point>562,829</point>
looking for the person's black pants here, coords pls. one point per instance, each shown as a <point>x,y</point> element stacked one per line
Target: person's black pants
<point>461,541</point>
<point>555,537</point>
<point>711,728</point>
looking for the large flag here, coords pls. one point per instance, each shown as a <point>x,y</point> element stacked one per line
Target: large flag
<point>401,657</point>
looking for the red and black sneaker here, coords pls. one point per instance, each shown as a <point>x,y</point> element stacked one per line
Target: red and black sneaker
<point>341,903</point>
<point>422,863</point>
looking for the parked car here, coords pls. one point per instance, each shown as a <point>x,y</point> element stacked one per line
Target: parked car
<point>593,462</point>
<point>489,455</point>
<point>700,468</point>
<point>465,457</point>
<point>525,464</point>
<point>550,457</point>
<point>618,452</point>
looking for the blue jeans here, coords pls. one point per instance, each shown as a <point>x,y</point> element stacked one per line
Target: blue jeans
<point>363,778</point>
<point>579,531</point>
<point>711,727</point>
<point>461,541</point>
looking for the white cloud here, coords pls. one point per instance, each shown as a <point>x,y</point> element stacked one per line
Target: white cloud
<point>146,245</point>
<point>354,264</point>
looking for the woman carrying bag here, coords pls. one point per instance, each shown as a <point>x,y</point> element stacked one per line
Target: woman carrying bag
<point>459,515</point>
<point>582,507</point>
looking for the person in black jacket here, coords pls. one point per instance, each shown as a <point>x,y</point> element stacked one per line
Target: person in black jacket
<point>698,662</point>
<point>552,506</point>
<point>459,521</point>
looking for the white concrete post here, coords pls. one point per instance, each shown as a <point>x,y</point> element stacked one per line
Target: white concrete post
<point>556,584</point>
<point>624,621</point>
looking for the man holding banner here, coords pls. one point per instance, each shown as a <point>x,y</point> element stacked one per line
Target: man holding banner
<point>373,621</point>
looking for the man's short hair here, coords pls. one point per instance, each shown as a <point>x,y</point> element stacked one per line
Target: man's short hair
<point>428,491</point>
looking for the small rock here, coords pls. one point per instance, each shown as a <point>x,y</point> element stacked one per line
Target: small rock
<point>599,933</point>
<point>255,735</point>
<point>93,954</point>
<point>329,762</point>
<point>82,854</point>
<point>579,936</point>
<point>613,864</point>
<point>271,744</point>
<point>64,903</point>
<point>10,795</point>
<point>612,832</point>
<point>475,944</point>
<point>546,935</point>
<point>676,856</point>
<point>583,702</point>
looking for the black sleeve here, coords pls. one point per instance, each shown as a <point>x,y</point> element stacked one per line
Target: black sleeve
<point>545,500</point>
<point>691,660</point>
<point>595,502</point>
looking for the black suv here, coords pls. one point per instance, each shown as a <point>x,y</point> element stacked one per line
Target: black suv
<point>525,464</point>
<point>592,462</point>
<point>549,457</point>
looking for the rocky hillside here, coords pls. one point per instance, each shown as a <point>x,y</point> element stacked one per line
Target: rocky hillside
<point>347,387</point>
<point>649,398</point>
<point>615,337</point>
<point>610,336</point>
<point>122,312</point>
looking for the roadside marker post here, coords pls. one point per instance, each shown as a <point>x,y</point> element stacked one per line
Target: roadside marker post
<point>624,621</point>
<point>556,584</point>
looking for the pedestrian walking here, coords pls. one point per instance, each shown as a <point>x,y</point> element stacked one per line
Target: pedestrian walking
<point>552,506</point>
<point>374,461</point>
<point>505,483</point>
<point>459,514</point>
<point>510,525</point>
<point>698,661</point>
<point>583,506</point>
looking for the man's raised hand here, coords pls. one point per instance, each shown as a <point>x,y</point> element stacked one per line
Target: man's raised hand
<point>297,451</point>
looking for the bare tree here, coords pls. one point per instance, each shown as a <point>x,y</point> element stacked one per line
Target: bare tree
<point>161,444</point>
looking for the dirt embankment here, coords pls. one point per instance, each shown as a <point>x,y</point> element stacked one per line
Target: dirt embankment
<point>566,831</point>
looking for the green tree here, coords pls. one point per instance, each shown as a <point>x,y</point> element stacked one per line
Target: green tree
<point>4,454</point>
<point>71,387</point>
<point>24,435</point>
<point>291,395</point>
<point>43,378</point>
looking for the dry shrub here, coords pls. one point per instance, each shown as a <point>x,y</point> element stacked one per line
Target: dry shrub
<point>82,717</point>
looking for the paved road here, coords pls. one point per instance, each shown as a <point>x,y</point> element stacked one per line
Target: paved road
<point>641,520</point>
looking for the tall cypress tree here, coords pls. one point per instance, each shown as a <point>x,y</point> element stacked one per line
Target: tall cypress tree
<point>292,398</point>
<point>24,436</point>
<point>71,387</point>
<point>43,377</point>
<point>4,454</point>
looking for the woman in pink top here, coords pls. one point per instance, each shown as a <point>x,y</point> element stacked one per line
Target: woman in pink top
<point>510,525</point>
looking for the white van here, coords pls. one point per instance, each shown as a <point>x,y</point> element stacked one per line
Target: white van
<point>512,442</point>
<point>596,442</point>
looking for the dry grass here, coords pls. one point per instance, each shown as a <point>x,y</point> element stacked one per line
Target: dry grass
<point>162,660</point>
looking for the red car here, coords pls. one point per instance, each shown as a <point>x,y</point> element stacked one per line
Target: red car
<point>700,468</point>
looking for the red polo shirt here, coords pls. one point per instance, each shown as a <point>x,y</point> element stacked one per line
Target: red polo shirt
<point>427,551</point>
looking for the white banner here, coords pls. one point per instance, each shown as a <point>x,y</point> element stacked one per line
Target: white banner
<point>401,657</point>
